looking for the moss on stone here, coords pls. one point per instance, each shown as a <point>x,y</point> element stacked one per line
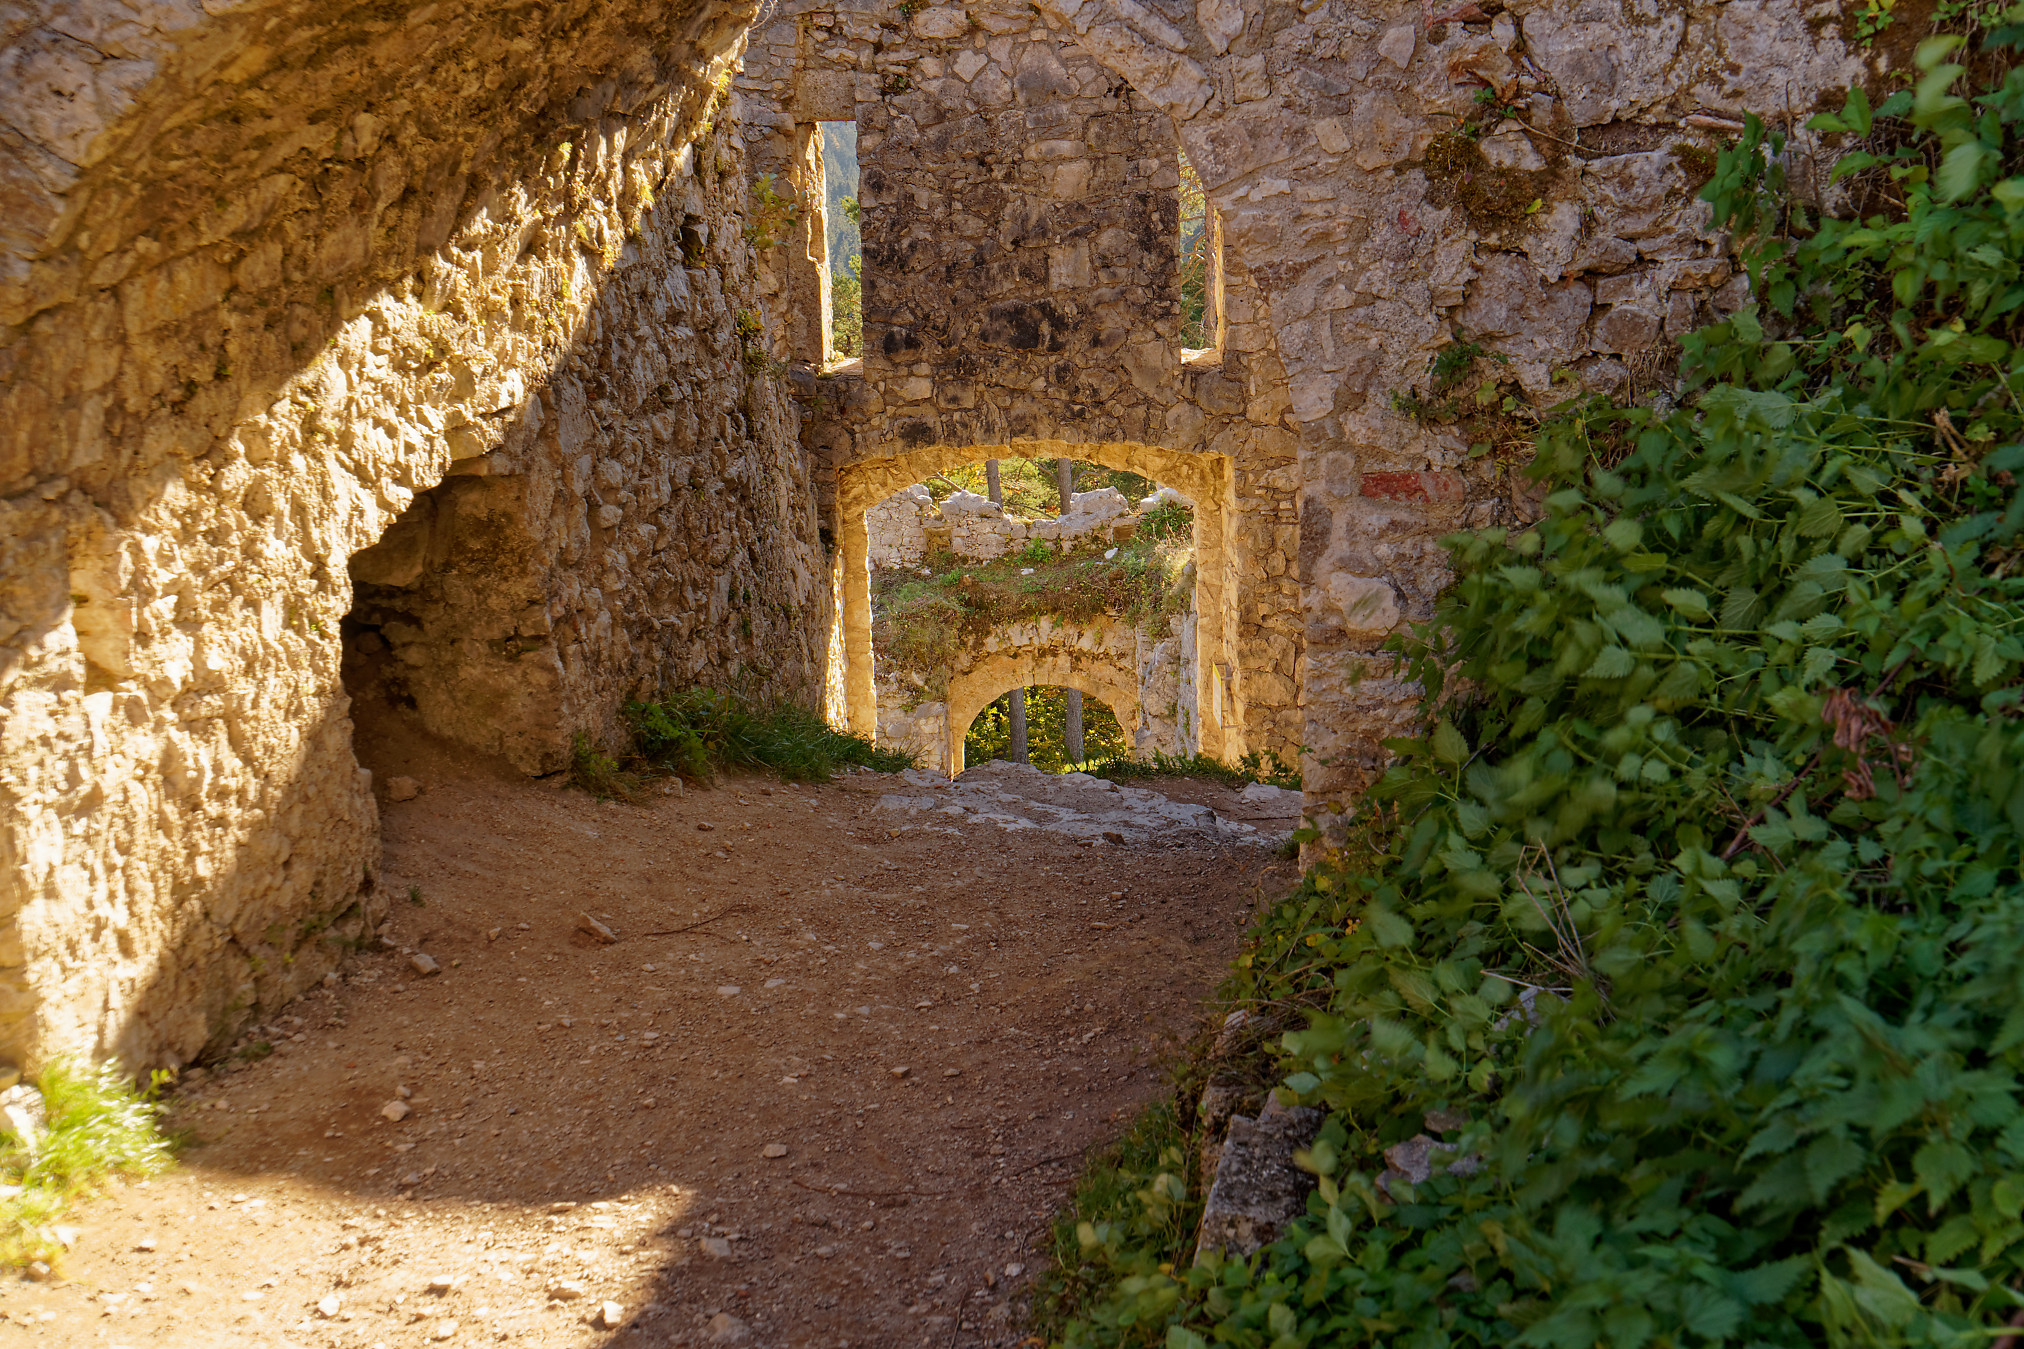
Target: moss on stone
<point>1459,174</point>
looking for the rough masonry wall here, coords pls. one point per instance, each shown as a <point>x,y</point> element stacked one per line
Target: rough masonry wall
<point>275,277</point>
<point>1324,134</point>
<point>1021,291</point>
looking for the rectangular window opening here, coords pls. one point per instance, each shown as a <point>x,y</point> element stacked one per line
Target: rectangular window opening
<point>843,325</point>
<point>1201,254</point>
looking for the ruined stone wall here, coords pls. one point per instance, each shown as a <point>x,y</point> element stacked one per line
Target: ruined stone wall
<point>430,308</point>
<point>1564,237</point>
<point>1021,288</point>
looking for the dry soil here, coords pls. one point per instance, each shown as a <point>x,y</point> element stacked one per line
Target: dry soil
<point>827,1088</point>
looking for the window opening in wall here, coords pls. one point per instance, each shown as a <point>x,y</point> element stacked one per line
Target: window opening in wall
<point>1201,266</point>
<point>842,218</point>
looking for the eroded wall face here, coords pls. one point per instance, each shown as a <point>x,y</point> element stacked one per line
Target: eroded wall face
<point>1562,237</point>
<point>332,322</point>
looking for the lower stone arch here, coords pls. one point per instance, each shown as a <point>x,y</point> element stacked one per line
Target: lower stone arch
<point>970,694</point>
<point>1208,479</point>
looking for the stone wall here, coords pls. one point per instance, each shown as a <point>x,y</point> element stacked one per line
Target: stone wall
<point>1565,238</point>
<point>908,527</point>
<point>1141,674</point>
<point>1021,274</point>
<point>351,343</point>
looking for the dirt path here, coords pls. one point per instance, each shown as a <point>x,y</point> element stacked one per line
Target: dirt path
<point>839,1111</point>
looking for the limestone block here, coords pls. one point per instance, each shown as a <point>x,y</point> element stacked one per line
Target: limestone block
<point>1365,606</point>
<point>941,22</point>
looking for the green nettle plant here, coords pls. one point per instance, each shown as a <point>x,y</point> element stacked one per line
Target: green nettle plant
<point>1703,905</point>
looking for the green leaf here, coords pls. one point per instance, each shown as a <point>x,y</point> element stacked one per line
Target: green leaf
<point>1942,1167</point>
<point>1769,1282</point>
<point>1387,928</point>
<point>1623,534</point>
<point>1449,744</point>
<point>1830,1158</point>
<point>1961,170</point>
<point>1690,604</point>
<point>1612,662</point>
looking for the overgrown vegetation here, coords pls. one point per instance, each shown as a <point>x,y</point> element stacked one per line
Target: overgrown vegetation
<point>775,214</point>
<point>1267,768</point>
<point>98,1127</point>
<point>699,733</point>
<point>921,622</point>
<point>696,733</point>
<point>1197,245</point>
<point>990,735</point>
<point>1703,905</point>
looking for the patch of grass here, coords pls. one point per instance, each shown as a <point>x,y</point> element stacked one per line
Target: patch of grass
<point>696,732</point>
<point>99,1127</point>
<point>1267,768</point>
<point>1136,1208</point>
<point>601,775</point>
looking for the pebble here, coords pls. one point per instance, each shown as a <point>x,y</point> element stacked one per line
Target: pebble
<point>773,1150</point>
<point>610,1315</point>
<point>705,826</point>
<point>565,1290</point>
<point>898,1073</point>
<point>727,990</point>
<point>37,1271</point>
<point>717,1248</point>
<point>585,923</point>
<point>444,1330</point>
<point>145,1244</point>
<point>397,1111</point>
<point>1013,1271</point>
<point>725,1328</point>
<point>424,963</point>
<point>329,1305</point>
<point>403,789</point>
<point>441,1284</point>
<point>492,934</point>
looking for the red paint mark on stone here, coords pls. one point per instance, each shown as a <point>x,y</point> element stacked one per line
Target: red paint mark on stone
<point>1431,485</point>
<point>1409,225</point>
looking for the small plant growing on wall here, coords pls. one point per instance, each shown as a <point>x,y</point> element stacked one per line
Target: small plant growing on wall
<point>773,215</point>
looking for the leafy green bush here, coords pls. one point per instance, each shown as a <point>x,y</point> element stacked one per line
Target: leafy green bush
<point>598,773</point>
<point>1705,909</point>
<point>694,732</point>
<point>98,1126</point>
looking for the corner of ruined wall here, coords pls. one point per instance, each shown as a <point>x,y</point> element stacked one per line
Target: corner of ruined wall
<point>269,345</point>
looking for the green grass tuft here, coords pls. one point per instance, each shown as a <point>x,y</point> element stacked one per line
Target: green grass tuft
<point>600,774</point>
<point>1267,768</point>
<point>699,731</point>
<point>99,1127</point>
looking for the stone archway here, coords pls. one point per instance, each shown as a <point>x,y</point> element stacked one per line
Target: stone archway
<point>1207,479</point>
<point>971,692</point>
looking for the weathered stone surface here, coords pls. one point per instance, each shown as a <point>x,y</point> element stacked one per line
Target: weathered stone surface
<point>1258,1190</point>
